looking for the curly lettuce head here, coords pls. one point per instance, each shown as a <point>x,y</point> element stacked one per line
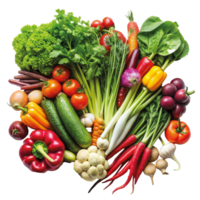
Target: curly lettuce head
<point>33,47</point>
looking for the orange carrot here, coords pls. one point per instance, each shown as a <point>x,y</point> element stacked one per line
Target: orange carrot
<point>133,30</point>
<point>98,129</point>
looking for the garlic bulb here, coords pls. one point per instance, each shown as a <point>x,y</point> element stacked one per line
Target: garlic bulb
<point>87,119</point>
<point>168,151</point>
<point>102,143</point>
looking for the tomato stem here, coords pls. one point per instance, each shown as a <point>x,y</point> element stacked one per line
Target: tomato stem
<point>179,128</point>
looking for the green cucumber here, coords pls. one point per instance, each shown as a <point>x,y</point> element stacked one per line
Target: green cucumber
<point>55,121</point>
<point>72,122</point>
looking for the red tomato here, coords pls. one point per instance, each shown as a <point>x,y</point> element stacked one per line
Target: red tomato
<point>177,133</point>
<point>108,22</point>
<point>51,88</point>
<point>105,36</point>
<point>61,73</point>
<point>97,23</point>
<point>70,87</point>
<point>103,41</point>
<point>79,101</point>
<point>120,36</point>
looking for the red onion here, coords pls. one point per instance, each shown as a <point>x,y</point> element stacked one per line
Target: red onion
<point>130,77</point>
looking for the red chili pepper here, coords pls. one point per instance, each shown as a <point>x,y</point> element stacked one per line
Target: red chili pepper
<point>129,140</point>
<point>144,66</point>
<point>132,63</point>
<point>145,158</point>
<point>108,185</point>
<point>43,151</point>
<point>138,151</point>
<point>124,157</point>
<point>116,159</point>
<point>122,172</point>
<point>121,95</point>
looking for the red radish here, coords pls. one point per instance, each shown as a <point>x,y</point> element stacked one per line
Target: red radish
<point>178,111</point>
<point>169,90</point>
<point>130,140</point>
<point>97,23</point>
<point>108,22</point>
<point>137,153</point>
<point>145,158</point>
<point>178,83</point>
<point>167,102</point>
<point>181,96</point>
<point>123,158</point>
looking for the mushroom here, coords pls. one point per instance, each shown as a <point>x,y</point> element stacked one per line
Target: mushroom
<point>101,153</point>
<point>86,176</point>
<point>78,167</point>
<point>85,166</point>
<point>82,155</point>
<point>100,168</point>
<point>92,149</point>
<point>106,165</point>
<point>150,171</point>
<point>94,159</point>
<point>163,165</point>
<point>93,172</point>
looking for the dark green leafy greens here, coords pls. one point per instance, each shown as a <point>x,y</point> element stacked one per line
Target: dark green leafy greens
<point>161,41</point>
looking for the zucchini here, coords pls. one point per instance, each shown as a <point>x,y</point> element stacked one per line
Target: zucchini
<point>72,122</point>
<point>55,121</point>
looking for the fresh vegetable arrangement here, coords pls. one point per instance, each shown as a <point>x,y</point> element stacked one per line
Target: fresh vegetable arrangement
<point>90,94</point>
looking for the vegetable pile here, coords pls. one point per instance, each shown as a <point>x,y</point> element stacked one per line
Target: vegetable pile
<point>91,94</point>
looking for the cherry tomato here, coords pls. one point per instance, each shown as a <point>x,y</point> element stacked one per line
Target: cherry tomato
<point>108,22</point>
<point>97,23</point>
<point>70,87</point>
<point>79,101</point>
<point>61,73</point>
<point>120,36</point>
<point>51,88</point>
<point>103,41</point>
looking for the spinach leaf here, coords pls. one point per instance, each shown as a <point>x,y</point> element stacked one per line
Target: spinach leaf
<point>149,41</point>
<point>184,52</point>
<point>150,24</point>
<point>168,44</point>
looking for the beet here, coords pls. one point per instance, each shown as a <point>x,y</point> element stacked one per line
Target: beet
<point>178,83</point>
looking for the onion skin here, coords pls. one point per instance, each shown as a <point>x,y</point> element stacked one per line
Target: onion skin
<point>167,102</point>
<point>18,98</point>
<point>18,130</point>
<point>35,96</point>
<point>178,83</point>
<point>169,90</point>
<point>130,78</point>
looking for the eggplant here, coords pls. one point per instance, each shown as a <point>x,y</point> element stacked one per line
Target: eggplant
<point>133,60</point>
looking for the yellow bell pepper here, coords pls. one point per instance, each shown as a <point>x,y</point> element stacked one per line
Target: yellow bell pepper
<point>154,78</point>
<point>34,117</point>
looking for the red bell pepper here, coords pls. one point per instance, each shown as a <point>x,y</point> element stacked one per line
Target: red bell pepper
<point>43,151</point>
<point>144,66</point>
<point>177,132</point>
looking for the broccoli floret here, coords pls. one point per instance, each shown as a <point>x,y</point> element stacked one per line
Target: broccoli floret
<point>33,47</point>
